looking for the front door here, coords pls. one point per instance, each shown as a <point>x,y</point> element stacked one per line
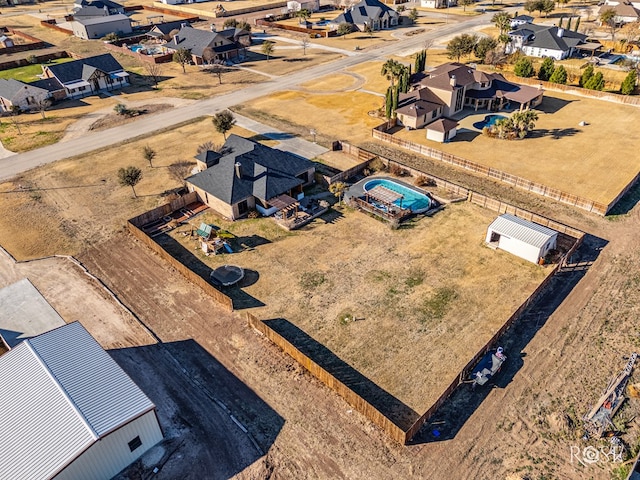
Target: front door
<point>96,85</point>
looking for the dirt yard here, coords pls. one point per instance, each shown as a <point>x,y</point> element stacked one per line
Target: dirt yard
<point>405,308</point>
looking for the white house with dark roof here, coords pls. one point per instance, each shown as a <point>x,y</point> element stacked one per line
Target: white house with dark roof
<point>70,412</point>
<point>520,237</point>
<point>23,95</point>
<point>449,88</point>
<point>372,13</point>
<point>247,175</point>
<point>88,76</point>
<point>544,41</point>
<point>520,20</point>
<point>626,11</point>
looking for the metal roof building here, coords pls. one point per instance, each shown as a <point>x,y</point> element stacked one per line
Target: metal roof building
<point>521,237</point>
<point>69,410</point>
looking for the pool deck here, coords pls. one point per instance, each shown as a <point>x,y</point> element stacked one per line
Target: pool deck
<point>357,189</point>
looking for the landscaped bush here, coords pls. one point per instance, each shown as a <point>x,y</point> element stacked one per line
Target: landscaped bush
<point>397,170</point>
<point>377,165</point>
<point>253,214</point>
<point>422,181</point>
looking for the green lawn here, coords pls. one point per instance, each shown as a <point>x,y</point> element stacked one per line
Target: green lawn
<point>28,73</point>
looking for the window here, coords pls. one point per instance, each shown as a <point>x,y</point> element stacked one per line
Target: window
<point>243,207</point>
<point>135,443</point>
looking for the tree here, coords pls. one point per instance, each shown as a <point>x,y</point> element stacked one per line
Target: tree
<point>121,109</point>
<point>546,69</point>
<point>546,7</point>
<point>629,83</point>
<point>502,21</point>
<point>575,29</point>
<point>630,31</point>
<point>461,45</point>
<point>495,57</point>
<point>217,69</point>
<point>32,59</point>
<point>516,126</point>
<point>368,30</point>
<point>608,19</point>
<point>208,55</point>
<point>484,46</point>
<point>464,4</point>
<point>154,70</point>
<point>267,48</point>
<point>413,15</point>
<point>130,177</point>
<point>182,56</point>
<point>596,82</point>
<point>303,14</point>
<point>344,29</point>
<point>586,75</point>
<point>524,68</point>
<point>559,75</point>
<point>181,170</point>
<point>421,60</point>
<point>111,37</point>
<point>305,44</point>
<point>149,154</point>
<point>338,189</point>
<point>569,23</point>
<point>15,111</point>
<point>531,6</point>
<point>223,122</point>
<point>392,69</point>
<point>41,105</point>
<point>560,22</point>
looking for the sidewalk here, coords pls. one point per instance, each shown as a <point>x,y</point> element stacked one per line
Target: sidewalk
<point>288,142</point>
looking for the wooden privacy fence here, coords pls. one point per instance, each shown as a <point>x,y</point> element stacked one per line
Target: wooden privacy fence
<point>504,177</point>
<point>355,400</point>
<point>135,227</point>
<point>573,90</point>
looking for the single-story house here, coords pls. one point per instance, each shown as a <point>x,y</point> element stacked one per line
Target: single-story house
<point>448,88</point>
<point>26,96</point>
<point>247,175</point>
<point>111,8</point>
<point>204,46</point>
<point>56,89</point>
<point>438,3</point>
<point>521,237</point>
<point>162,31</point>
<point>88,76</point>
<point>520,20</point>
<point>297,5</point>
<point>97,27</point>
<point>626,12</point>
<point>372,13</point>
<point>544,41</point>
<point>70,411</point>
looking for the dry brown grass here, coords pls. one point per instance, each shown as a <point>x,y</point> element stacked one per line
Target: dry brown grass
<point>286,58</point>
<point>336,115</point>
<point>65,206</point>
<point>424,305</point>
<point>337,81</point>
<point>560,154</point>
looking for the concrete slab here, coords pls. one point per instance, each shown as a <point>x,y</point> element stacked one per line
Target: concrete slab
<point>25,313</point>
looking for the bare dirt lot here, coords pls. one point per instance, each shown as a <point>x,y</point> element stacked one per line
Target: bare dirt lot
<point>426,298</point>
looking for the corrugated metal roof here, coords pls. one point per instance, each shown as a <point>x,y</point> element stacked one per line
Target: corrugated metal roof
<point>521,229</point>
<point>102,391</point>
<point>61,392</point>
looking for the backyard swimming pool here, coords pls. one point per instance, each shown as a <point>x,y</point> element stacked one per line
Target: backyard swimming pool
<point>412,199</point>
<point>488,121</point>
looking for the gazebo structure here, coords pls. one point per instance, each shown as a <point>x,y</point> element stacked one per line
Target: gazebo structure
<point>384,199</point>
<point>287,207</point>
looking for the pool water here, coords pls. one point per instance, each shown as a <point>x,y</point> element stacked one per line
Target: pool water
<point>415,201</point>
<point>488,121</point>
<point>136,48</point>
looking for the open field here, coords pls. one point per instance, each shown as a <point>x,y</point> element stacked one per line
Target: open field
<point>428,297</point>
<point>78,201</point>
<point>286,58</point>
<point>568,157</point>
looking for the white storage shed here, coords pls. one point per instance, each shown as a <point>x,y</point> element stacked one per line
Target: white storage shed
<point>521,237</point>
<point>70,412</point>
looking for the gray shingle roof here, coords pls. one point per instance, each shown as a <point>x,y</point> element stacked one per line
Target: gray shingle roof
<point>266,172</point>
<point>49,84</point>
<point>9,88</point>
<point>168,27</point>
<point>547,37</point>
<point>528,232</point>
<point>102,20</point>
<point>62,393</point>
<point>196,41</point>
<point>72,71</point>
<point>363,12</point>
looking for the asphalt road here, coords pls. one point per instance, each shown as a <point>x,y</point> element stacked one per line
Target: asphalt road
<point>16,164</point>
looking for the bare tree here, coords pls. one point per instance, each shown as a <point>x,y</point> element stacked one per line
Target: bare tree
<point>41,105</point>
<point>305,44</point>
<point>154,70</point>
<point>15,111</point>
<point>217,68</point>
<point>208,55</point>
<point>181,170</point>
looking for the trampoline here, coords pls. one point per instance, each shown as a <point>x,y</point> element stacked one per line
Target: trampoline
<point>227,275</point>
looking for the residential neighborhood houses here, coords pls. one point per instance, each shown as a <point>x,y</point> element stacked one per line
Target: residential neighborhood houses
<point>226,218</point>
